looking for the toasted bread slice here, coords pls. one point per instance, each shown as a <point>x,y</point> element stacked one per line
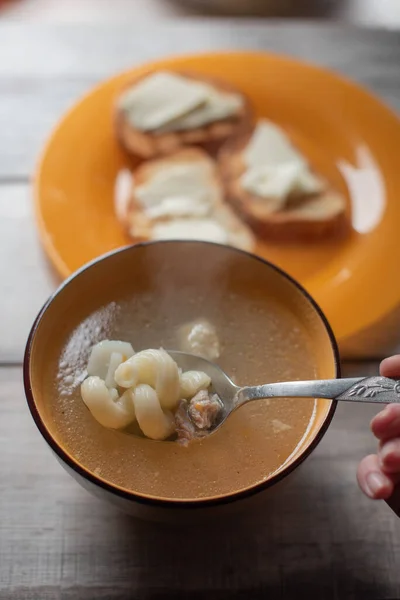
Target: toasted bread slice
<point>205,224</point>
<point>304,217</point>
<point>150,144</point>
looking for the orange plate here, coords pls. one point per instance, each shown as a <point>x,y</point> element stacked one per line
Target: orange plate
<point>348,135</point>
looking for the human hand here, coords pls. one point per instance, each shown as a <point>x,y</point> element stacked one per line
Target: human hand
<point>379,473</point>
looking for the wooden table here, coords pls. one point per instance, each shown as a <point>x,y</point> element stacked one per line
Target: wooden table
<point>56,541</point>
<point>382,13</point>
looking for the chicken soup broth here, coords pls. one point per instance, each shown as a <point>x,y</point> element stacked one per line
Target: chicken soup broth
<point>260,341</point>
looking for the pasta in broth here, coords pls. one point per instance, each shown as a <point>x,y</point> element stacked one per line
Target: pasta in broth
<point>155,368</point>
<point>147,387</point>
<point>258,341</point>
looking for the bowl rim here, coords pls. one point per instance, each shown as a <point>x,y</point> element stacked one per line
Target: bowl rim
<point>149,500</point>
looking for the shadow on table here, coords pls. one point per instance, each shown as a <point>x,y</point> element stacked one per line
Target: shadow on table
<point>283,547</point>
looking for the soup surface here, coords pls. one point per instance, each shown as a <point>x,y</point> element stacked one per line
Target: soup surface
<point>260,342</point>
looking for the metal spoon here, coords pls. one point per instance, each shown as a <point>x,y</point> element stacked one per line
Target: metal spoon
<point>380,390</point>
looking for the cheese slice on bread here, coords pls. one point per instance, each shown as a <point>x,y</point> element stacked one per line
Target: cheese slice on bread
<point>180,197</point>
<point>273,188</point>
<point>165,111</point>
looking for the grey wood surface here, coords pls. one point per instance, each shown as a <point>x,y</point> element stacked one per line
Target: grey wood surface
<point>44,69</point>
<point>56,542</point>
<point>322,537</point>
<point>384,13</point>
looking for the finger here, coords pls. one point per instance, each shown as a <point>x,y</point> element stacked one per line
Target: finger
<point>389,456</point>
<point>386,424</point>
<point>390,367</point>
<point>372,481</point>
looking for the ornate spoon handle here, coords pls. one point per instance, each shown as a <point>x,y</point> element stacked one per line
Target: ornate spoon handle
<point>380,390</point>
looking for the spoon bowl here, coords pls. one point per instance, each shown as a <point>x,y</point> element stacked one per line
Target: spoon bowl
<point>221,384</point>
<point>379,390</point>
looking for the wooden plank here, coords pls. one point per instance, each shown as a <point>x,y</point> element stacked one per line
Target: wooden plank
<point>26,279</point>
<point>386,13</point>
<point>44,70</point>
<point>321,537</point>
<point>29,111</point>
<point>73,50</point>
<point>91,10</point>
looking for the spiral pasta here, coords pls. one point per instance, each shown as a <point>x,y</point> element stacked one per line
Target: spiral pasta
<point>192,382</point>
<point>154,368</point>
<point>153,421</point>
<point>116,359</point>
<point>100,356</point>
<point>105,405</point>
<point>153,384</point>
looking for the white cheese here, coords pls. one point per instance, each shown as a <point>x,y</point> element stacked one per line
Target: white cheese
<point>183,180</point>
<point>160,98</point>
<point>217,107</point>
<point>278,182</point>
<point>180,206</point>
<point>275,169</point>
<point>269,145</point>
<point>165,102</point>
<point>271,181</point>
<point>178,191</point>
<point>179,202</point>
<point>207,230</point>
